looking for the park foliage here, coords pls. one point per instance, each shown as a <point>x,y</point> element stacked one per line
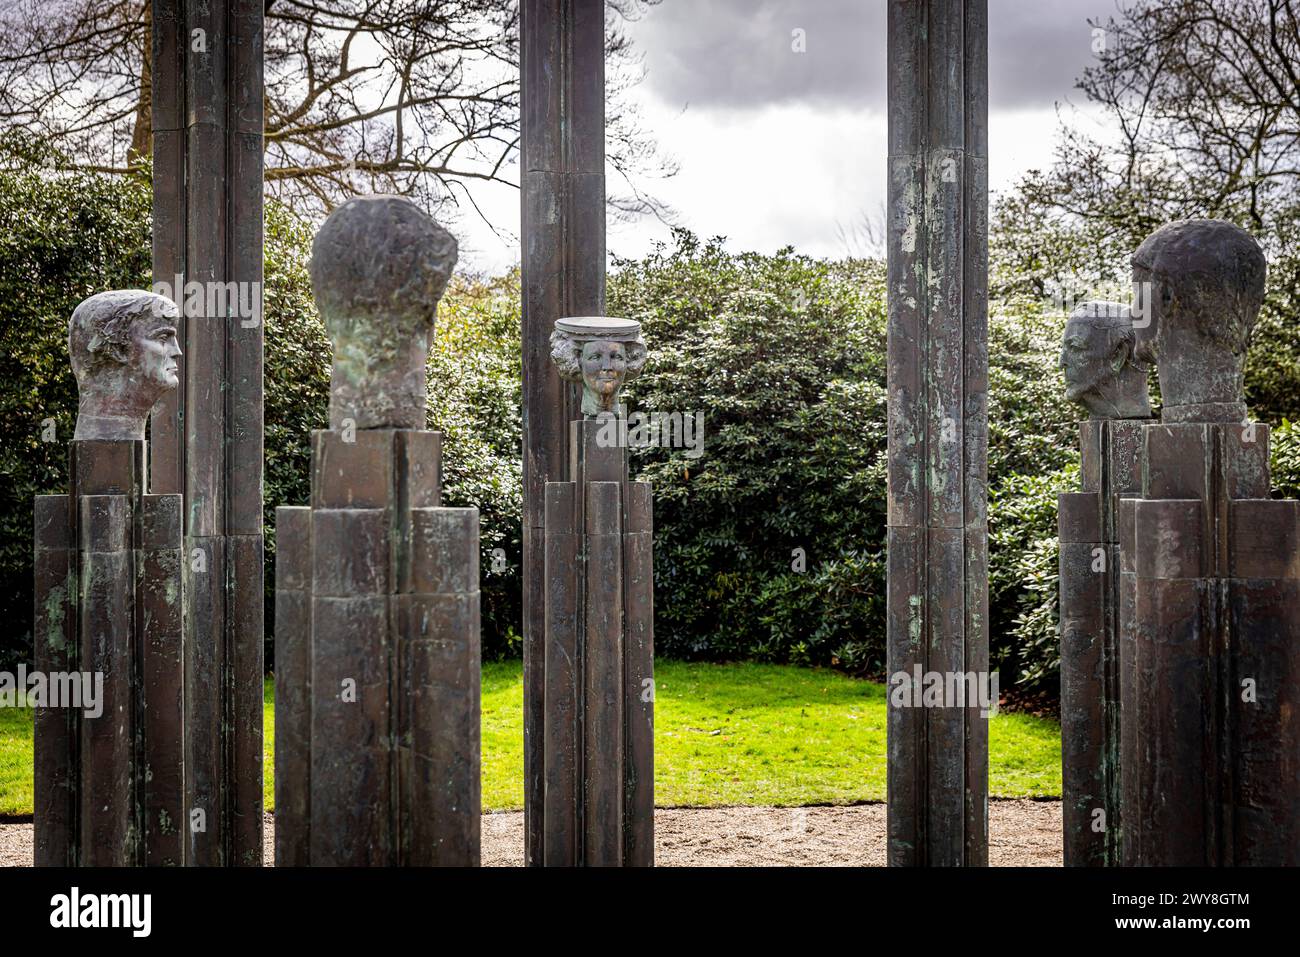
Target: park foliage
<point>770,546</point>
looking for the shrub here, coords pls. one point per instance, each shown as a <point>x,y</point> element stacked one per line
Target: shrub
<point>66,236</point>
<point>784,356</point>
<point>62,238</point>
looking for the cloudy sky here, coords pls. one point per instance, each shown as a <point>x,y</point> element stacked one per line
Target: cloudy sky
<point>778,147</point>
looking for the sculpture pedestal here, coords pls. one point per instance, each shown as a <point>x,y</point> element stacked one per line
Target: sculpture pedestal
<point>598,736</point>
<point>1091,716</point>
<point>1211,667</point>
<point>110,790</point>
<point>377,660</point>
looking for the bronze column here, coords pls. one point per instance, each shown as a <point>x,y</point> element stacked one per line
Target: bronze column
<point>938,402</point>
<point>206,441</point>
<point>562,181</point>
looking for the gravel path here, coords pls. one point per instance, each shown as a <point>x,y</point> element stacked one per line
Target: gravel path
<point>1024,833</point>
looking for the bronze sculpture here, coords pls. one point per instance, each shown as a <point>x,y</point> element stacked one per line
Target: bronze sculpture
<point>1100,362</point>
<point>598,669</point>
<point>601,353</point>
<point>1104,375</point>
<point>379,267</point>
<point>1204,282</point>
<point>110,594</point>
<point>377,585</point>
<point>124,350</point>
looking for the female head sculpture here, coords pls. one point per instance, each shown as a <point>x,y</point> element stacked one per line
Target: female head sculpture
<point>378,267</point>
<point>600,352</point>
<point>124,352</point>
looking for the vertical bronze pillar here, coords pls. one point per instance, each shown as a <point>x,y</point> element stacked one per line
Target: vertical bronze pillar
<point>377,594</point>
<point>1091,715</point>
<point>206,439</point>
<point>599,665</point>
<point>938,402</point>
<point>377,720</point>
<point>562,86</point>
<point>1215,671</point>
<point>108,608</point>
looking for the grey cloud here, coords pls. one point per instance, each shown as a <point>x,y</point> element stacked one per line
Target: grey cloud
<point>736,54</point>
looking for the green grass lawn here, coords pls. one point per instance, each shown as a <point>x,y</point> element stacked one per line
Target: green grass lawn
<point>15,761</point>
<point>724,734</point>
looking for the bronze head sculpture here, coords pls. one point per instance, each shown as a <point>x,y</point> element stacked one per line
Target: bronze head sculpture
<point>1099,359</point>
<point>124,352</point>
<point>378,267</point>
<point>1204,285</point>
<point>602,353</point>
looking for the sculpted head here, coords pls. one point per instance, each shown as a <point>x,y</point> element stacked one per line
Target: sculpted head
<point>602,353</point>
<point>1098,357</point>
<point>1206,286</point>
<point>124,352</point>
<point>378,267</point>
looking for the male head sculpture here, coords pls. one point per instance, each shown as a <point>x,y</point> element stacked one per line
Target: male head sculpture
<point>1203,283</point>
<point>1098,357</point>
<point>124,349</point>
<point>378,267</point>
<point>600,352</point>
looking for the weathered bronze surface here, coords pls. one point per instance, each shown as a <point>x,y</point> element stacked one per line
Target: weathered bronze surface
<point>110,786</point>
<point>562,209</point>
<point>206,438</point>
<point>1102,373</point>
<point>377,591</point>
<point>124,354</point>
<point>379,266</point>
<point>600,353</point>
<point>1209,572</point>
<point>937,616</point>
<point>1203,281</point>
<point>598,736</point>
<point>1099,359</point>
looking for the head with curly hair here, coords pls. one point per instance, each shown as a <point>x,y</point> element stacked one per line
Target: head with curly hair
<point>1203,280</point>
<point>124,351</point>
<point>602,353</point>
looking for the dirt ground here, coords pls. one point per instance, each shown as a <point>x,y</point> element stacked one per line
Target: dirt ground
<point>1021,833</point>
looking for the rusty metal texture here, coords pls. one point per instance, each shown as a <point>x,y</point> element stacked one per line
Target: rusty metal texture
<point>207,437</point>
<point>379,589</point>
<point>938,385</point>
<point>599,665</point>
<point>562,205</point>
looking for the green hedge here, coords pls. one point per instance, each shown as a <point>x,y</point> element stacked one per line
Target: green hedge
<point>769,545</point>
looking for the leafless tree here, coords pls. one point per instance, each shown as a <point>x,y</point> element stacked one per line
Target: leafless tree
<point>409,96</point>
<point>1205,96</point>
<point>1202,101</point>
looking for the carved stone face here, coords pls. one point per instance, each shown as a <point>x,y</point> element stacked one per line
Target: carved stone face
<point>1097,358</point>
<point>602,354</point>
<point>124,351</point>
<point>604,367</point>
<point>153,351</point>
